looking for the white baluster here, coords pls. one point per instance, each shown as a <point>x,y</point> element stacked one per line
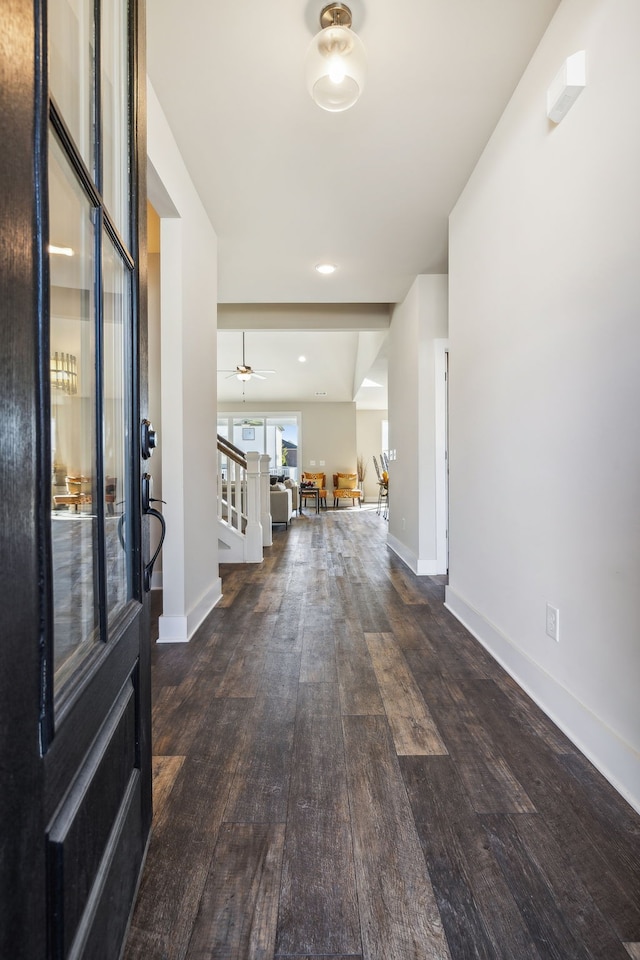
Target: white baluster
<point>253,530</point>
<point>237,497</point>
<point>265,500</point>
<point>219,482</point>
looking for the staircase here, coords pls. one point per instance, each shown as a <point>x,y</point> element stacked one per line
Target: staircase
<point>244,517</point>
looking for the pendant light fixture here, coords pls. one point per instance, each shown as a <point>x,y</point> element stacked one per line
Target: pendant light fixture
<point>336,61</point>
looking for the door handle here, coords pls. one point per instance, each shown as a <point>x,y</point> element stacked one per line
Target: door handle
<point>149,511</point>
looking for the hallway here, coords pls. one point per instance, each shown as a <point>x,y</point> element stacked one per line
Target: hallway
<point>342,771</point>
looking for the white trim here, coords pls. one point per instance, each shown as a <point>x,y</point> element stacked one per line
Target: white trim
<point>427,567</point>
<point>172,630</point>
<point>401,550</point>
<point>441,348</point>
<point>614,758</point>
<point>182,629</point>
<point>172,427</point>
<point>420,566</point>
<point>204,606</point>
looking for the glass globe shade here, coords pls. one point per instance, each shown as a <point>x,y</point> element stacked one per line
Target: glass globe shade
<point>336,65</point>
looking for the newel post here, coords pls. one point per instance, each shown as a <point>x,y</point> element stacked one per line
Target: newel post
<point>265,500</point>
<point>253,531</point>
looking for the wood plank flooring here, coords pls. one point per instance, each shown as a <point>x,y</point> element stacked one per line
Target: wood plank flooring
<point>343,772</point>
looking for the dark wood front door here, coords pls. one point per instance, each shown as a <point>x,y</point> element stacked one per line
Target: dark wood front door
<point>75,782</point>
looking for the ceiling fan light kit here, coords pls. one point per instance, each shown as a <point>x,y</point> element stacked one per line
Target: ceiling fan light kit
<point>244,371</point>
<point>336,61</point>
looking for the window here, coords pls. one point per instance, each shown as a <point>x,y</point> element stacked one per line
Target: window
<point>276,435</point>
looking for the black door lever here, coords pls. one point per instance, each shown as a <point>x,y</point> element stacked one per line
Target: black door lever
<point>150,511</point>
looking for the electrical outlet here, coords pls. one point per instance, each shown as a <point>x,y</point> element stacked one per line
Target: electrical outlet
<point>553,623</point>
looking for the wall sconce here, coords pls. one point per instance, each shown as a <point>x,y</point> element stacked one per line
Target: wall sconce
<point>336,61</point>
<point>64,373</point>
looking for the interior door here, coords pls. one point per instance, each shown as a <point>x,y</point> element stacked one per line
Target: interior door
<point>76,805</point>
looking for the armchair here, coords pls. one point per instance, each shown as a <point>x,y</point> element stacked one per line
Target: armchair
<point>345,487</point>
<point>317,480</point>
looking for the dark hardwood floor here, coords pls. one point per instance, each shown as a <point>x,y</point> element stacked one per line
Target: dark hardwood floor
<point>342,771</point>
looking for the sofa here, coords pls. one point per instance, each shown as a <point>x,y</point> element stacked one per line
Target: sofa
<point>280,482</point>
<point>281,500</point>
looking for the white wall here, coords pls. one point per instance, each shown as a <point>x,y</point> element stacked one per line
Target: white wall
<point>369,440</point>
<point>416,325</point>
<point>154,465</point>
<point>328,433</point>
<point>545,390</point>
<point>188,258</point>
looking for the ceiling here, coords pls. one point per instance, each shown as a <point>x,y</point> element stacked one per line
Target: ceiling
<point>287,185</point>
<point>342,345</point>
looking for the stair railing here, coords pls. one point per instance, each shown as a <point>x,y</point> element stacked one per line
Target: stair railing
<point>232,485</point>
<point>243,496</point>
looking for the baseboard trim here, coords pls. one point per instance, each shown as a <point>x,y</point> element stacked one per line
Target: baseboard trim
<point>204,606</point>
<point>401,550</point>
<point>616,759</point>
<point>180,629</point>
<point>172,629</point>
<point>417,565</point>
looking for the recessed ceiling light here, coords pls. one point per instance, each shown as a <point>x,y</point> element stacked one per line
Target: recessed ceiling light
<point>325,267</point>
<point>302,359</point>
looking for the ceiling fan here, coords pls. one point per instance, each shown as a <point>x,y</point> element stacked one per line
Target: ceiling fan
<point>244,371</point>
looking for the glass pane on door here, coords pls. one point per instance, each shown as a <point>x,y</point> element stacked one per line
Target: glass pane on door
<point>71,69</point>
<point>72,364</point>
<point>117,427</point>
<point>115,126</point>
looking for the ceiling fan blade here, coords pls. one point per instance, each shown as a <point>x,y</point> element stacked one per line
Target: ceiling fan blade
<point>245,369</point>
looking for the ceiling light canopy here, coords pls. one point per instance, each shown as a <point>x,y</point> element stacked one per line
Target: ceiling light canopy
<point>336,61</point>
